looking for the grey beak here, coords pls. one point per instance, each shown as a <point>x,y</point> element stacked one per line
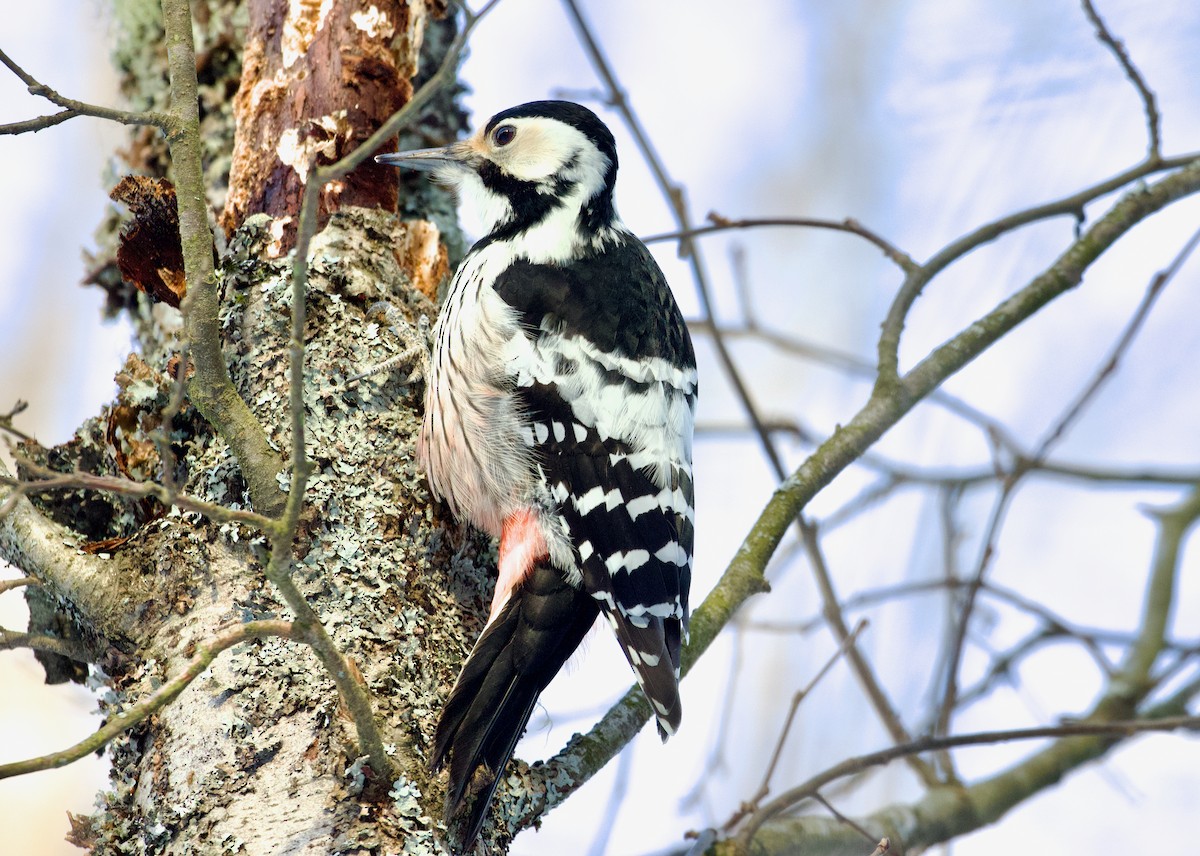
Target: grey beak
<point>425,160</point>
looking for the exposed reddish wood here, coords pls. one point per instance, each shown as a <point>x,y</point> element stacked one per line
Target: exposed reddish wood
<point>423,256</point>
<point>318,77</point>
<point>150,254</point>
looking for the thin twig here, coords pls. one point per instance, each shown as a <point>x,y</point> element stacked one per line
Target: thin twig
<point>718,223</point>
<point>72,108</point>
<point>1109,367</point>
<point>1067,206</point>
<point>40,123</point>
<point>955,647</point>
<point>831,610</point>
<point>9,585</point>
<point>841,818</point>
<point>44,479</point>
<point>1135,674</point>
<point>206,652</point>
<point>1048,618</point>
<point>765,787</point>
<point>6,422</point>
<point>1149,103</point>
<point>10,639</point>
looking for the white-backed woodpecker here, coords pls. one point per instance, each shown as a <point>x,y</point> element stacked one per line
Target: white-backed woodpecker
<point>559,408</point>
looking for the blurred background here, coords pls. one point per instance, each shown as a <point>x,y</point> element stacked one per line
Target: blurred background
<point>921,120</point>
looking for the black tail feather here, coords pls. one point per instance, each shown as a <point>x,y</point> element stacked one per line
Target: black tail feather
<point>519,652</point>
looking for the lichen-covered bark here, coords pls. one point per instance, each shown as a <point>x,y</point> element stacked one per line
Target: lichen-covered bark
<point>256,753</point>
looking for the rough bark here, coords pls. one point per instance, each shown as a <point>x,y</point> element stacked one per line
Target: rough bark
<point>256,755</point>
<point>317,80</point>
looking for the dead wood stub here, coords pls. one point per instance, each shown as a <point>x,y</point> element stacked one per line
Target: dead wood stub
<point>317,80</point>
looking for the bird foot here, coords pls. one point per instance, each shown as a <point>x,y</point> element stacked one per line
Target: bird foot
<point>415,339</point>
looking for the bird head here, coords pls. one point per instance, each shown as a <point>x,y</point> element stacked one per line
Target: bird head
<point>528,164</point>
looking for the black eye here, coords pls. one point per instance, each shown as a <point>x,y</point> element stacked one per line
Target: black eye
<point>503,135</point>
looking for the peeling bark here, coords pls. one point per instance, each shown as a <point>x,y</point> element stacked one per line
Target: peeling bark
<point>317,80</point>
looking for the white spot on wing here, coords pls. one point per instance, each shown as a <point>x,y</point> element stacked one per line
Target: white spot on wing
<point>630,561</point>
<point>672,553</point>
<point>589,500</point>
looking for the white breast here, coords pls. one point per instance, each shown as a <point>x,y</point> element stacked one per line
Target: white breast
<point>471,446</point>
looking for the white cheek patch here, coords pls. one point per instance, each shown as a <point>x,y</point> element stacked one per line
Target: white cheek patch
<point>542,147</point>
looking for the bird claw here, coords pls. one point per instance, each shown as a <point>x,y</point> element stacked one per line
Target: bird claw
<point>416,341</point>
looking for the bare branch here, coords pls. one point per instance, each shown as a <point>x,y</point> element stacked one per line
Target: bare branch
<point>10,639</point>
<point>48,480</point>
<point>1134,677</point>
<point>851,766</point>
<point>308,628</point>
<point>584,755</point>
<point>871,686</point>
<point>797,699</point>
<point>718,223</point>
<point>211,389</point>
<point>72,108</point>
<point>1149,103</point>
<point>1067,206</point>
<point>1057,431</point>
<point>9,585</point>
<point>675,197</point>
<point>1112,716</point>
<point>41,123</point>
<point>853,824</point>
<point>45,550</point>
<point>1122,345</point>
<point>206,652</point>
<point>6,421</point>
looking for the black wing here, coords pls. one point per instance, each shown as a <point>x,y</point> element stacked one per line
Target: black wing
<point>608,386</point>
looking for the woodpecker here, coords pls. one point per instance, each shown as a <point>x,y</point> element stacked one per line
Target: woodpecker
<point>559,407</point>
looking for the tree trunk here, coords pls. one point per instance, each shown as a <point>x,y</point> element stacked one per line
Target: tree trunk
<point>257,755</point>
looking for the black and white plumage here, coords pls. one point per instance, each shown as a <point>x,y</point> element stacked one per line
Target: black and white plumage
<point>559,409</point>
